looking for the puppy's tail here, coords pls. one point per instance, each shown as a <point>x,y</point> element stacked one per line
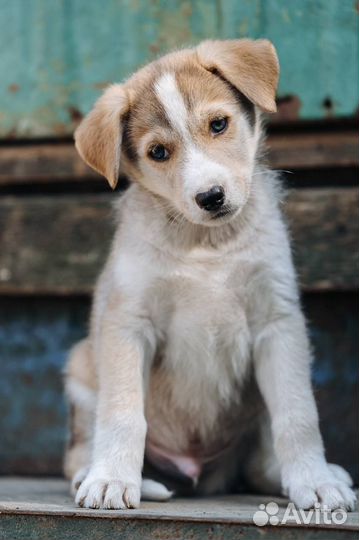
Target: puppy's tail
<point>154,491</point>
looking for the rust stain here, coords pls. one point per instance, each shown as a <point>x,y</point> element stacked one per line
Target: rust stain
<point>288,108</point>
<point>154,48</point>
<point>101,85</point>
<point>75,114</point>
<point>12,134</point>
<point>328,106</point>
<point>13,88</point>
<point>60,129</point>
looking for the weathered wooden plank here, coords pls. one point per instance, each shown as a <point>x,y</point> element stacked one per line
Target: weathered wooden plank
<point>60,162</point>
<point>58,244</point>
<point>38,509</point>
<point>53,244</point>
<point>310,150</point>
<point>41,163</point>
<point>325,227</point>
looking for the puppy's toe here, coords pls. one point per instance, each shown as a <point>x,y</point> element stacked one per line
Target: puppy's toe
<point>340,474</point>
<point>132,496</point>
<point>91,493</point>
<point>77,480</point>
<point>348,495</point>
<point>330,497</point>
<point>303,496</point>
<point>114,495</point>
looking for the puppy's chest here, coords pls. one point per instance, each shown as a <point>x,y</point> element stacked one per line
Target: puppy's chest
<point>198,311</point>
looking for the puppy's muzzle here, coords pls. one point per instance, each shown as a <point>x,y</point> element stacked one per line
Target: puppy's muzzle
<point>211,200</point>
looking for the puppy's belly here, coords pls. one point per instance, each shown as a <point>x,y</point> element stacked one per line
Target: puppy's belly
<point>175,446</point>
<point>194,391</point>
<point>176,464</point>
<point>187,437</point>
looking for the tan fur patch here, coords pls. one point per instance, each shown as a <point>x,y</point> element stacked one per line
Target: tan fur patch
<point>98,137</point>
<point>251,66</point>
<point>81,367</point>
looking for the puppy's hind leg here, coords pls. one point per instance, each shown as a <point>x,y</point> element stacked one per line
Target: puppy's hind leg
<point>262,471</point>
<point>80,388</point>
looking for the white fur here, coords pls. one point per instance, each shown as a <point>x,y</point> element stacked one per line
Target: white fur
<point>201,173</point>
<point>172,100</point>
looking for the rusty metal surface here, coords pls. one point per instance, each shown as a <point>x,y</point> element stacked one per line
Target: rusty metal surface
<point>56,57</point>
<point>42,508</point>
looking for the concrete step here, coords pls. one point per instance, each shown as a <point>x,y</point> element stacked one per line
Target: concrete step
<point>39,509</point>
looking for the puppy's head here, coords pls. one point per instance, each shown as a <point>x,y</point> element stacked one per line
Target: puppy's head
<point>186,127</point>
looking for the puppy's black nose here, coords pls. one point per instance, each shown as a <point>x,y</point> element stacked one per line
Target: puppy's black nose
<point>211,200</point>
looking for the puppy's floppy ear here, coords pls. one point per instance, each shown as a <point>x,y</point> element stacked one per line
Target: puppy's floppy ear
<point>98,138</point>
<point>250,65</point>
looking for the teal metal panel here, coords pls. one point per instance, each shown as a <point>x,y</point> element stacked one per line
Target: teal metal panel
<point>56,55</point>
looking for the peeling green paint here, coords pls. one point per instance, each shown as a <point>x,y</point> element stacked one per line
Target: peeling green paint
<point>57,55</point>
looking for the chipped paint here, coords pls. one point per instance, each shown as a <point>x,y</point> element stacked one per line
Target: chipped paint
<point>13,88</point>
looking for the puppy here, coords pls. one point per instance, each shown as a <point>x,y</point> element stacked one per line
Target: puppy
<point>197,358</point>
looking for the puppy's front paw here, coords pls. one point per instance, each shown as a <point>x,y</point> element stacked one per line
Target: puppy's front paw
<point>322,483</point>
<point>78,479</point>
<point>98,492</point>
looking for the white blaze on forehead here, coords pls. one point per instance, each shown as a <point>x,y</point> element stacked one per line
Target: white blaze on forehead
<point>172,100</point>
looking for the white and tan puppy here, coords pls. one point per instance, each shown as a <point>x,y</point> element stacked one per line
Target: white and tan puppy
<point>197,359</point>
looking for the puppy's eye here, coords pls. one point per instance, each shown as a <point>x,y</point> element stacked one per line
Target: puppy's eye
<point>159,153</point>
<point>219,125</point>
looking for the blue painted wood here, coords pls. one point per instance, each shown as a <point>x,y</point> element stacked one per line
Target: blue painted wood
<point>56,56</point>
<point>36,333</point>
